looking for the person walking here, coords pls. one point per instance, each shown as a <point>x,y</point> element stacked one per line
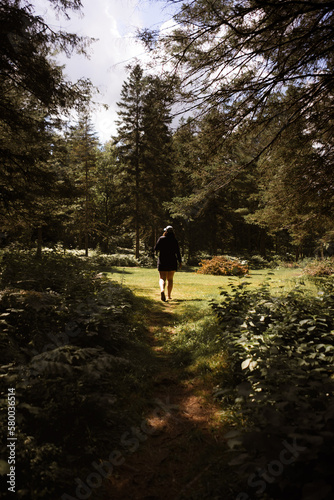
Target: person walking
<point>168,250</point>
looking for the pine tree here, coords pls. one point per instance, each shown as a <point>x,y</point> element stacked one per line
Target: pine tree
<point>242,52</point>
<point>157,154</point>
<point>109,196</point>
<point>82,143</point>
<point>33,95</point>
<point>239,56</point>
<point>144,150</point>
<point>130,140</point>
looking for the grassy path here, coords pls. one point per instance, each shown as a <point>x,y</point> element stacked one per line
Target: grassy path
<point>180,446</point>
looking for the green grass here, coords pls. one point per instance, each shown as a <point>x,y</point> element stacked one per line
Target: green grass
<point>191,338</point>
<point>194,324</point>
<point>192,287</point>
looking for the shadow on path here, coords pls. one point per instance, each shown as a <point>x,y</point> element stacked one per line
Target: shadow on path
<point>170,454</point>
<point>187,300</point>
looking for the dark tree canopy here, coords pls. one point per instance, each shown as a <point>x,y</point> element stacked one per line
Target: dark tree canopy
<point>25,60</point>
<point>267,68</point>
<point>144,149</point>
<point>33,94</point>
<point>238,53</point>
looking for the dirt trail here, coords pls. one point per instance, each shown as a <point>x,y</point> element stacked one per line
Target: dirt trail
<point>180,439</point>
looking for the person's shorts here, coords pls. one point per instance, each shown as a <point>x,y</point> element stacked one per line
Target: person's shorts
<point>166,268</point>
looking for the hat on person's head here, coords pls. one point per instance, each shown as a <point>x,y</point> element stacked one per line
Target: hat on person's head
<point>169,229</point>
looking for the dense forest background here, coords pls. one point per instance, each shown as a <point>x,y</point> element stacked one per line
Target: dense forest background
<point>227,135</point>
<point>246,170</point>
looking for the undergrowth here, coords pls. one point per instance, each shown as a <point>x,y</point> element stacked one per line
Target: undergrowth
<point>78,362</point>
<point>320,268</point>
<point>280,352</point>
<point>270,357</point>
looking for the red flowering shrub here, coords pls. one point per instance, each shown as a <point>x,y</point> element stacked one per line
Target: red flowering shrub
<point>222,266</point>
<point>323,267</point>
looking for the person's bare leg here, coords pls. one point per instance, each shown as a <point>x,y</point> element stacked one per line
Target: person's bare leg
<point>170,277</point>
<point>162,282</point>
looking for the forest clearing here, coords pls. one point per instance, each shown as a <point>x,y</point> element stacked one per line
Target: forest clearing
<point>139,139</point>
<point>133,397</point>
<point>188,441</point>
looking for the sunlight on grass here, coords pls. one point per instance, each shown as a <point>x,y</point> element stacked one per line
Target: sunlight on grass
<point>198,288</point>
<point>191,337</point>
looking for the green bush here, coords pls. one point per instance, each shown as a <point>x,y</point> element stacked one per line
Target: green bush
<point>67,346</point>
<point>222,266</point>
<point>52,272</point>
<point>147,260</point>
<point>115,260</point>
<point>60,297</point>
<point>258,262</point>
<point>281,352</point>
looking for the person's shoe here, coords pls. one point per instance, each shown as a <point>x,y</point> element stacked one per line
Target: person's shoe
<point>163,296</point>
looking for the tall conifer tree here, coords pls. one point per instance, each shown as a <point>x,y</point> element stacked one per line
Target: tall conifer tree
<point>144,150</point>
<point>83,160</point>
<point>130,131</point>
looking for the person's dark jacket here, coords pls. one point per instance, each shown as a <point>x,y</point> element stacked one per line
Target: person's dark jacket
<point>169,252</point>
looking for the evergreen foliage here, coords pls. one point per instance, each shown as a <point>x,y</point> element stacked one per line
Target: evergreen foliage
<point>144,152</point>
<point>67,346</point>
<point>264,71</point>
<point>34,94</point>
<point>82,155</point>
<point>243,52</point>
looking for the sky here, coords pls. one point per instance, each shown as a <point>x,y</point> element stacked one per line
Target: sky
<point>113,23</point>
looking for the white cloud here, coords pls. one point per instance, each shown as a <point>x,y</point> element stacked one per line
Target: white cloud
<point>114,24</point>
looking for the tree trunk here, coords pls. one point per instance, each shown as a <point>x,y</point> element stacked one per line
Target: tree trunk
<point>86,193</point>
<point>262,242</point>
<point>214,231</point>
<point>137,219</point>
<point>155,236</point>
<point>86,244</point>
<point>276,244</point>
<point>39,242</point>
<point>249,238</point>
<point>137,189</point>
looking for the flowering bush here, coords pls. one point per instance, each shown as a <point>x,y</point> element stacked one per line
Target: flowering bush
<point>222,266</point>
<point>323,267</point>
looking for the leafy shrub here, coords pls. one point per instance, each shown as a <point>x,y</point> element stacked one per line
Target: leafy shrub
<point>67,348</point>
<point>323,267</point>
<point>289,265</point>
<point>61,298</point>
<point>258,262</point>
<point>53,271</point>
<point>117,260</point>
<point>147,260</point>
<point>222,266</point>
<point>194,259</point>
<point>70,412</point>
<point>281,352</point>
<point>124,258</point>
<point>271,261</point>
